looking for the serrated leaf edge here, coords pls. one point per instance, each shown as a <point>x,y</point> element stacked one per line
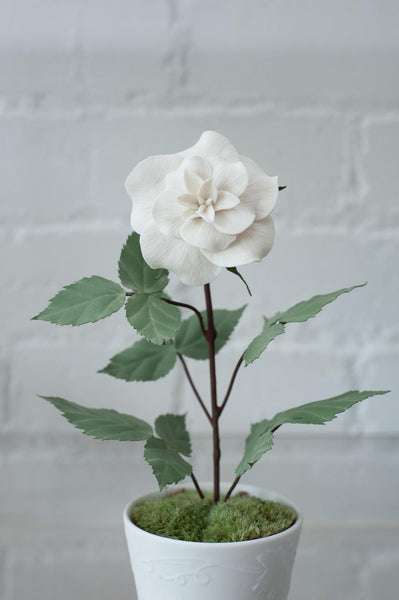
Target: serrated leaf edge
<point>105,370</point>
<point>184,415</point>
<point>66,288</point>
<point>176,480</point>
<point>109,410</point>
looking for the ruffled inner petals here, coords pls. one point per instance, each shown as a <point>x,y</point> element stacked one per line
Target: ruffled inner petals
<point>187,262</point>
<point>167,213</point>
<point>262,190</point>
<point>250,246</point>
<point>198,165</point>
<point>192,181</point>
<point>208,190</point>
<point>202,234</point>
<point>188,201</point>
<point>235,220</point>
<point>144,184</point>
<point>230,176</point>
<point>226,200</point>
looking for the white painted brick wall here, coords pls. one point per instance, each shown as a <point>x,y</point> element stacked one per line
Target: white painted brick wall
<point>310,90</point>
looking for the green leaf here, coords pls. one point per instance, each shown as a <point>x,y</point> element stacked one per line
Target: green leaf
<point>260,343</point>
<point>260,439</point>
<point>167,464</point>
<point>172,429</point>
<point>190,340</point>
<point>310,308</point>
<point>281,188</point>
<point>143,361</point>
<point>152,317</point>
<point>135,273</point>
<point>102,423</point>
<point>318,413</point>
<point>255,447</point>
<point>85,301</point>
<point>298,313</point>
<point>235,271</point>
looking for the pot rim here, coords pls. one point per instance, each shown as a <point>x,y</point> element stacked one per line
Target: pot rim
<point>270,494</point>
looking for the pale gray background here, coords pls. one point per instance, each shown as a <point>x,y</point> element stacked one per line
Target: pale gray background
<point>308,89</point>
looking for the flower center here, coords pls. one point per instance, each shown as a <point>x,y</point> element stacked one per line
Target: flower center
<point>206,209</point>
<point>200,198</point>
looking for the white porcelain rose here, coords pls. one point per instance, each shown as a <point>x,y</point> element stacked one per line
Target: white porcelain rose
<point>202,209</point>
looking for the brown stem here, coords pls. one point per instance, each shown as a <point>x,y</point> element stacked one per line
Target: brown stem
<point>183,305</point>
<point>197,487</point>
<point>190,379</point>
<point>190,307</point>
<point>234,375</point>
<point>210,337</point>
<point>231,489</point>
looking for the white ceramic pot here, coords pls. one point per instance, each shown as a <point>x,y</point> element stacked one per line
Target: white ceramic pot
<point>167,569</point>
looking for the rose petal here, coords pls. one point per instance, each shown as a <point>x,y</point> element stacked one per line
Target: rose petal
<point>202,234</point>
<point>234,220</point>
<point>226,200</point>
<point>206,212</point>
<point>250,246</point>
<point>229,176</point>
<point>190,175</point>
<point>262,190</point>
<point>183,181</point>
<point>198,165</point>
<point>167,213</point>
<point>188,201</point>
<point>212,143</point>
<point>174,181</point>
<point>208,190</point>
<point>144,184</point>
<point>187,262</point>
<point>189,213</point>
<point>192,182</point>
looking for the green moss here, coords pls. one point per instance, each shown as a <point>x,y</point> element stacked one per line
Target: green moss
<point>181,516</point>
<point>184,516</point>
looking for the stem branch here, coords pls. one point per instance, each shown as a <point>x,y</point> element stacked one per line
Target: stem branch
<point>233,377</point>
<point>190,307</point>
<point>193,387</point>
<point>237,479</point>
<point>231,489</point>
<point>183,305</point>
<point>197,487</point>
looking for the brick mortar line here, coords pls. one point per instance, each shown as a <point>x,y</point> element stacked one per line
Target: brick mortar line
<point>178,105</point>
<point>348,351</point>
<point>19,230</point>
<point>290,349</point>
<point>54,442</point>
<point>228,436</point>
